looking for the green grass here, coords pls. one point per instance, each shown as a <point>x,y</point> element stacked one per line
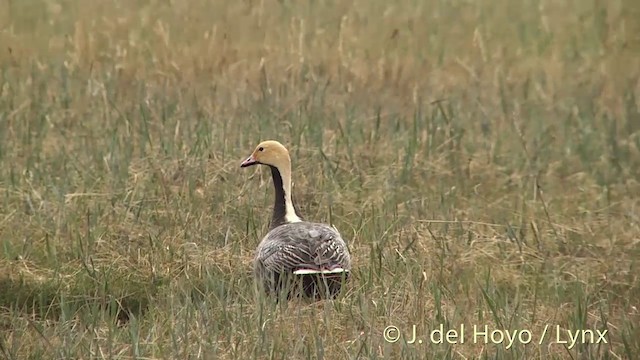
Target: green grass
<point>481,158</point>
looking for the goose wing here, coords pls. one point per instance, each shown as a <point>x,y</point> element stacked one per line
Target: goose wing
<point>303,245</point>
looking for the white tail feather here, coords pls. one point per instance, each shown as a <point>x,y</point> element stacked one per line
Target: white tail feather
<point>311,271</point>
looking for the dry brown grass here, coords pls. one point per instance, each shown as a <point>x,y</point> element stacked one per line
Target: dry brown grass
<point>482,158</point>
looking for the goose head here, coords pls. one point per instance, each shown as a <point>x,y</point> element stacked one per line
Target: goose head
<point>270,153</point>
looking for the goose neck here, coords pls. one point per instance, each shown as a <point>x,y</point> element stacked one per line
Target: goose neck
<point>283,209</point>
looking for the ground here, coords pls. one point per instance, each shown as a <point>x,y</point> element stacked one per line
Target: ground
<point>482,158</point>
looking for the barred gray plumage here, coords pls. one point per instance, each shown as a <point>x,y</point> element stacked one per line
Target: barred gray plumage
<point>302,254</point>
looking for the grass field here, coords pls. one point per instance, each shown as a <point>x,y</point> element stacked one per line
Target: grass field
<point>482,158</point>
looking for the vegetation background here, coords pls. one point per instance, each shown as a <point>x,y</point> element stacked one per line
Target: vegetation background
<point>481,157</point>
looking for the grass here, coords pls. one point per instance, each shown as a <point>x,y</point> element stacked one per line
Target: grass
<point>481,158</point>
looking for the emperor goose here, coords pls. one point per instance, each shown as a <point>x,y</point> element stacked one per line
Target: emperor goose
<point>296,252</point>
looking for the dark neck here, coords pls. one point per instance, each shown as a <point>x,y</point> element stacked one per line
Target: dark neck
<point>279,216</point>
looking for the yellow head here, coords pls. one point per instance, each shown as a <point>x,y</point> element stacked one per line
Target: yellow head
<point>269,152</point>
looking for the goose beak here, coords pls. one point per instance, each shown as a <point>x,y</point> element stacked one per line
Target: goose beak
<point>249,161</point>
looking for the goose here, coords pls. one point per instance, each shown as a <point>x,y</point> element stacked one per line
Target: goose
<point>296,253</point>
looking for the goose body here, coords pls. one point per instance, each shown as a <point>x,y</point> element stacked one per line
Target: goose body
<point>296,257</point>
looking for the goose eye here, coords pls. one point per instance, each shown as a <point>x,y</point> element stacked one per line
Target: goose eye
<point>260,148</point>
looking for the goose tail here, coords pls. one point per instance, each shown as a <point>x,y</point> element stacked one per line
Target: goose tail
<point>335,270</point>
